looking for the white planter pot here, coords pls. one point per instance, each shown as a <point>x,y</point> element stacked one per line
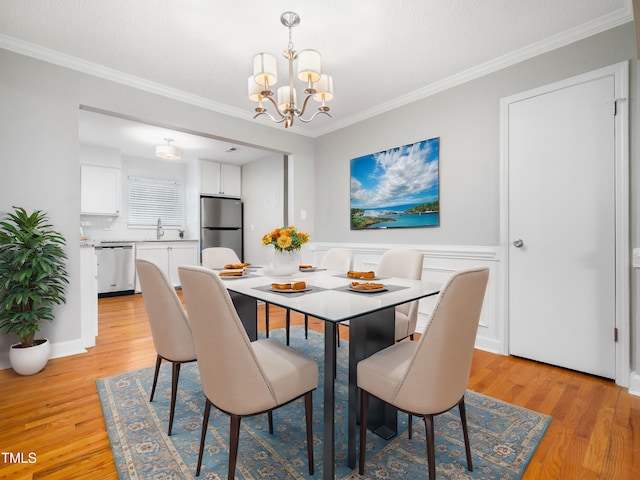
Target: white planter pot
<point>27,361</point>
<point>286,262</point>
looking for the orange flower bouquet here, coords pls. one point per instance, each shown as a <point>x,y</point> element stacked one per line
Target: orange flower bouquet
<point>285,239</point>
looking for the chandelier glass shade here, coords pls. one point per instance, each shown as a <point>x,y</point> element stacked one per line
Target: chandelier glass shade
<point>318,85</point>
<point>168,151</point>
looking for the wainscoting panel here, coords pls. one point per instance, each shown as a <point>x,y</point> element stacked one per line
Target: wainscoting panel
<point>439,263</point>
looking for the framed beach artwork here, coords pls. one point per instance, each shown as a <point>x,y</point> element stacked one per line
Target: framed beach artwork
<point>397,188</point>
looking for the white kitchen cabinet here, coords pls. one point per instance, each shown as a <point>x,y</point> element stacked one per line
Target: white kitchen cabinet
<point>168,255</point>
<point>99,190</point>
<point>220,179</point>
<point>88,296</point>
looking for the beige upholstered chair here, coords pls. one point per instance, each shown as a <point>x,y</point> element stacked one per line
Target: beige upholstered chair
<point>239,377</point>
<point>430,376</point>
<point>338,259</point>
<point>218,257</point>
<point>169,326</point>
<point>404,264</point>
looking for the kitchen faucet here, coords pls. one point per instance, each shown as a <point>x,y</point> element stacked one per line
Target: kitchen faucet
<point>159,230</point>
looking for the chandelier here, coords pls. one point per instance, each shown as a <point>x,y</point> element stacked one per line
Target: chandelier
<point>318,85</point>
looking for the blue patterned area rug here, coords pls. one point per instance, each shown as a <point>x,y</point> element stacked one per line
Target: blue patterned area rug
<point>503,436</point>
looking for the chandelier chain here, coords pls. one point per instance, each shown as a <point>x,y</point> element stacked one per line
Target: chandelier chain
<point>290,46</point>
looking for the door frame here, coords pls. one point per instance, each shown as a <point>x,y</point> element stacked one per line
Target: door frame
<point>620,72</point>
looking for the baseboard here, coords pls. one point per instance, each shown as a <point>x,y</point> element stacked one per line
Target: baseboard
<point>490,345</point>
<point>60,349</point>
<point>66,349</point>
<point>634,384</point>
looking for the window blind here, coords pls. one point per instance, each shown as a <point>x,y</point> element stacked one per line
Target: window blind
<point>151,199</point>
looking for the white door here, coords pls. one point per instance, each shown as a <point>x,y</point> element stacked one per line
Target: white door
<point>562,231</point>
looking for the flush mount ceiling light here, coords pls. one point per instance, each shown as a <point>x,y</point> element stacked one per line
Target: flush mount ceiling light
<point>168,151</point>
<point>265,75</point>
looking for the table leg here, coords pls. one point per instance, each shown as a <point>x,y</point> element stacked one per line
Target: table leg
<point>247,309</point>
<point>328,466</point>
<point>266,318</point>
<point>287,326</point>
<point>369,334</point>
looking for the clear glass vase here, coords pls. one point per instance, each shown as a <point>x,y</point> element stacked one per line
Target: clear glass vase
<point>285,262</point>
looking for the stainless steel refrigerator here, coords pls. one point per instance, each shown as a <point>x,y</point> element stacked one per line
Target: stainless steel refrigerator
<point>221,223</point>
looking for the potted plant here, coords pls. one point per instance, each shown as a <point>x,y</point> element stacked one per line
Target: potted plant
<point>33,278</point>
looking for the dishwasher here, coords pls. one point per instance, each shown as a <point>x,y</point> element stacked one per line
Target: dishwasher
<point>116,268</point>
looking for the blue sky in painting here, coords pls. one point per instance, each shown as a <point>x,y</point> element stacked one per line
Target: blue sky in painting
<point>398,176</point>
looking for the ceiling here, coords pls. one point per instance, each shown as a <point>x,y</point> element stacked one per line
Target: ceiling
<point>381,53</point>
<point>136,139</point>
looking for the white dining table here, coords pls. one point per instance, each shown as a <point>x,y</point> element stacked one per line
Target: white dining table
<point>371,319</point>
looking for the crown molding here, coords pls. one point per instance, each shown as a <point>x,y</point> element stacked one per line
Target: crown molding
<point>84,66</point>
<point>607,22</point>
<point>602,24</point>
<point>74,63</point>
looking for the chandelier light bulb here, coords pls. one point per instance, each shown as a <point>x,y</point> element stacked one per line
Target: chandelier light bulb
<point>265,72</point>
<point>324,88</point>
<point>309,65</point>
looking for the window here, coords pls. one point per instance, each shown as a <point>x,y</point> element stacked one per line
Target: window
<point>151,199</point>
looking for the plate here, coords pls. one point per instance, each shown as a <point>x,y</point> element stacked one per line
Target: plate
<point>308,269</point>
<point>373,290</point>
<point>291,290</point>
<point>232,277</point>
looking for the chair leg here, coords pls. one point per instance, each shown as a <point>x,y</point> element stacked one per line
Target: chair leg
<point>431,447</point>
<point>410,426</point>
<point>203,435</point>
<point>364,410</point>
<point>308,409</point>
<point>234,437</point>
<point>266,318</point>
<point>175,374</point>
<point>306,326</point>
<point>465,431</point>
<point>155,376</point>
<point>270,417</point>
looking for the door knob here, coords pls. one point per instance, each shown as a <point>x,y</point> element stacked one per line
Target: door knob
<point>518,243</point>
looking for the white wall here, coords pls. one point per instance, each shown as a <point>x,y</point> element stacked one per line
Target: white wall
<point>262,195</point>
<point>40,162</point>
<point>466,118</point>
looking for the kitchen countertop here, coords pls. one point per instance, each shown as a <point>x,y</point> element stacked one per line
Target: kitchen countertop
<point>97,242</point>
<point>169,240</point>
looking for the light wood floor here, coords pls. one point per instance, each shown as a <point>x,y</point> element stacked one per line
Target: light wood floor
<point>595,432</point>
